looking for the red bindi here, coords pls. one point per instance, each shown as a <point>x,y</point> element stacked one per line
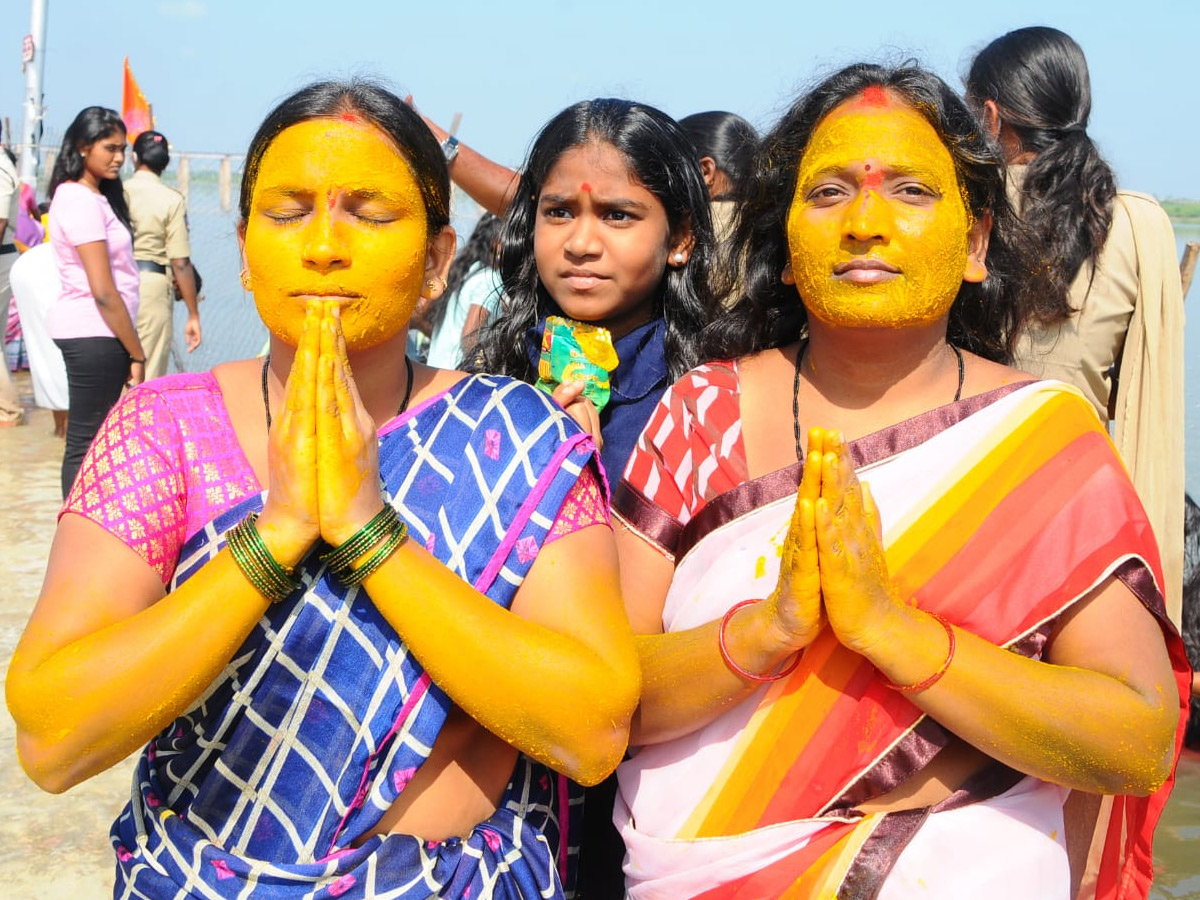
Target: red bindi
<point>330,201</point>
<point>874,95</point>
<point>586,187</point>
<point>871,181</point>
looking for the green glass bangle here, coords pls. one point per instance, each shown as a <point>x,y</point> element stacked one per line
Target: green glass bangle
<point>276,577</point>
<point>248,542</point>
<point>244,557</point>
<point>391,543</point>
<point>382,523</point>
<point>271,579</point>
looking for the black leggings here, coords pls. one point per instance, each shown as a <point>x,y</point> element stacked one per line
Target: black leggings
<point>97,369</point>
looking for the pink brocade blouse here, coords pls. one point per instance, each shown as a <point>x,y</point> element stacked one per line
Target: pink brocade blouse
<point>166,462</point>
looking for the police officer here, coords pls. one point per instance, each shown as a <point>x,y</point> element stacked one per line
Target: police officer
<point>160,238</point>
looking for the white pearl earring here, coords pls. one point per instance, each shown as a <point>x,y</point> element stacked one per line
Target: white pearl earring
<point>679,259</point>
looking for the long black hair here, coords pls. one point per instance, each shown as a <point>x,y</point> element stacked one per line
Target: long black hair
<point>1038,79</point>
<point>985,318</point>
<point>663,160</point>
<point>386,111</point>
<point>480,248</point>
<point>725,138</point>
<point>94,123</point>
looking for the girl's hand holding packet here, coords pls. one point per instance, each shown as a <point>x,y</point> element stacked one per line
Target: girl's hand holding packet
<point>576,351</point>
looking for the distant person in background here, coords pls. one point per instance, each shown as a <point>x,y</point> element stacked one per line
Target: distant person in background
<point>160,237</point>
<point>726,143</point>
<point>471,297</point>
<point>1118,334</point>
<point>11,412</point>
<point>35,288</point>
<point>92,320</point>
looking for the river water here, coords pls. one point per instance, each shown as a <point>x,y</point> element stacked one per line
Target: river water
<point>232,330</point>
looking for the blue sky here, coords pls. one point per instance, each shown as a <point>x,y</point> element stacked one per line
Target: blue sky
<point>212,68</point>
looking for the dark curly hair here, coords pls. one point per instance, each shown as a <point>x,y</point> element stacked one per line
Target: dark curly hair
<point>662,158</point>
<point>984,319</point>
<point>1038,79</point>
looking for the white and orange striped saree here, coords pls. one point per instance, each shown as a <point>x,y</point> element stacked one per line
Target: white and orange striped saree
<point>999,512</point>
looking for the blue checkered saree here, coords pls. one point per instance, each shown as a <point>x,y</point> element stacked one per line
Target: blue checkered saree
<point>322,717</point>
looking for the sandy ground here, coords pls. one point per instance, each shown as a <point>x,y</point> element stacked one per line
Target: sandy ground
<point>51,847</point>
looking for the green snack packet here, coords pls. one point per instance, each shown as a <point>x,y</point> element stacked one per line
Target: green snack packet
<point>576,351</point>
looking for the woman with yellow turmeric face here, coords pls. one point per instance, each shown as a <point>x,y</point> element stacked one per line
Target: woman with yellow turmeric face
<point>879,230</point>
<point>921,687</point>
<point>365,612</point>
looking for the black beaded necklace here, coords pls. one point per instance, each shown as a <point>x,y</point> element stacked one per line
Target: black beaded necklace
<point>408,367</point>
<point>796,393</point>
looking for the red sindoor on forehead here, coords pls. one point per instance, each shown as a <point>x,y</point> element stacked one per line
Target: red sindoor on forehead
<point>874,95</point>
<point>349,117</point>
<point>872,180</point>
<point>586,187</point>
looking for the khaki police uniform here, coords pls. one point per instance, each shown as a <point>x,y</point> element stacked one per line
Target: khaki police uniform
<point>159,235</point>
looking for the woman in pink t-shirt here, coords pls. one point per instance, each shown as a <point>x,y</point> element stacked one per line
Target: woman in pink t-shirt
<point>92,320</point>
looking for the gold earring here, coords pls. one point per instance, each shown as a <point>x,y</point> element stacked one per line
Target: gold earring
<point>438,283</point>
<point>245,279</point>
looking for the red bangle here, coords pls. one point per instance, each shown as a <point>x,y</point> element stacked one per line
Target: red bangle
<point>936,676</point>
<point>734,667</point>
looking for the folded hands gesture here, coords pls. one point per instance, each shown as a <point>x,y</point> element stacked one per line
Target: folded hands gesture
<point>833,567</point>
<point>323,456</point>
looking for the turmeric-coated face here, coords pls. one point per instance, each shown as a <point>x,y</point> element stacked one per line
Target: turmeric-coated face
<point>336,213</point>
<point>879,231</point>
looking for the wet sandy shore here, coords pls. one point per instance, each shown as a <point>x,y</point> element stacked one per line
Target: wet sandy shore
<point>51,847</point>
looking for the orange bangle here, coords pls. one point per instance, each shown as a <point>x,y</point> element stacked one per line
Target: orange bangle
<point>936,676</point>
<point>734,667</point>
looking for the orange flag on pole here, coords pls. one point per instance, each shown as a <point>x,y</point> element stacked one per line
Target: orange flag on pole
<point>135,111</point>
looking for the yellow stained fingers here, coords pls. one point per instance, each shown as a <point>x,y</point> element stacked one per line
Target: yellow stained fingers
<point>298,432</point>
<point>795,604</point>
<point>857,589</point>
<point>355,418</point>
<point>289,522</point>
<point>347,455</point>
<point>302,379</point>
<point>816,442</point>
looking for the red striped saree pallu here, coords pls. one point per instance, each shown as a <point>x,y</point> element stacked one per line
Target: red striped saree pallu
<point>999,513</point>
